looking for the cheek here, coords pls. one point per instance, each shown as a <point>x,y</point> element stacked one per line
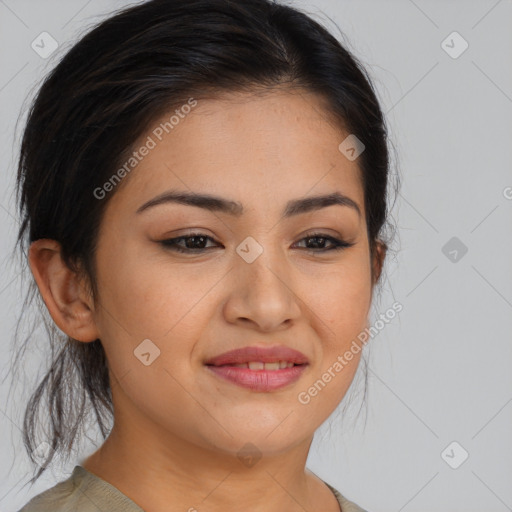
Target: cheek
<point>145,298</point>
<point>341,298</point>
<point>340,308</point>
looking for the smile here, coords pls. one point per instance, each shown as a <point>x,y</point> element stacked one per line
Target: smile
<point>259,376</point>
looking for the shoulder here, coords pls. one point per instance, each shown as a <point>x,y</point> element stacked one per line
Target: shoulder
<point>54,498</point>
<point>81,492</point>
<point>345,504</point>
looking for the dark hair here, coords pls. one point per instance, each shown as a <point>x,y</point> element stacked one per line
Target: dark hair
<point>102,96</point>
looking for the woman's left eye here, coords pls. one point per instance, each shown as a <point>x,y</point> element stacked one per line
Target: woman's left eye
<point>321,239</point>
<point>195,242</point>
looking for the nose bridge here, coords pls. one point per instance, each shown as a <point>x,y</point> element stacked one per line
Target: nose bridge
<point>260,260</point>
<point>263,290</point>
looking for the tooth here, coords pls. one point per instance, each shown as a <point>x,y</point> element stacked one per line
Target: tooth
<point>259,365</point>
<point>256,365</point>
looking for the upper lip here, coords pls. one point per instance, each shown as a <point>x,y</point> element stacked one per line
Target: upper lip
<point>255,353</point>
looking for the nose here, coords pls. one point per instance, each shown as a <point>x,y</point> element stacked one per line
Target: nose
<point>262,293</point>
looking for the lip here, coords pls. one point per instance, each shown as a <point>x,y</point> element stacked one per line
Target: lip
<point>259,380</point>
<point>255,353</point>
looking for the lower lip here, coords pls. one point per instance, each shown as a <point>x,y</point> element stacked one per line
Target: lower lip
<point>260,380</point>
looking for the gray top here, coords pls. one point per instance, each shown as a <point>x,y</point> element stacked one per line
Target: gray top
<point>84,491</point>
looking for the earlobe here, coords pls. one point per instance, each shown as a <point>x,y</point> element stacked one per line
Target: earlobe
<point>378,260</point>
<point>60,287</point>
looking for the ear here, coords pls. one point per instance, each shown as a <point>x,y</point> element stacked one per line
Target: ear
<point>378,260</point>
<point>62,290</point>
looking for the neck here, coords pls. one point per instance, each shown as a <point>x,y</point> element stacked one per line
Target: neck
<point>183,476</point>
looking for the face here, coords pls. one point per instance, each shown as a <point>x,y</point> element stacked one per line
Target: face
<point>252,275</point>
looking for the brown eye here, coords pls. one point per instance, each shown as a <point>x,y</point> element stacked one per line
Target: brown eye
<point>319,240</point>
<point>193,243</point>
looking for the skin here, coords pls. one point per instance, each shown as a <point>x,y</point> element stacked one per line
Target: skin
<point>178,428</point>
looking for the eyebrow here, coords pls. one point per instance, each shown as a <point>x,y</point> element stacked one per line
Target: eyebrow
<point>219,204</point>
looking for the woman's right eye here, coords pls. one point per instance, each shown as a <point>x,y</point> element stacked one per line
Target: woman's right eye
<point>197,245</point>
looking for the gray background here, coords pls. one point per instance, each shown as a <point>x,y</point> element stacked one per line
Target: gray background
<point>440,371</point>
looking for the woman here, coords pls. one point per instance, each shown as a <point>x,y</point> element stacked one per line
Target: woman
<point>203,191</point>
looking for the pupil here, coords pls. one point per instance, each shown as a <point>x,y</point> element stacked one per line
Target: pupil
<point>196,245</point>
<point>317,238</point>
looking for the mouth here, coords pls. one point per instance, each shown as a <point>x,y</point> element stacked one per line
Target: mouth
<point>258,354</point>
<point>261,369</point>
<point>260,365</point>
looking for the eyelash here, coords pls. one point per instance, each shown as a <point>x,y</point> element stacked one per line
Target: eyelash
<point>171,243</point>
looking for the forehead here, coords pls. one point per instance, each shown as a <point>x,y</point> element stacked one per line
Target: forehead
<point>259,149</point>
